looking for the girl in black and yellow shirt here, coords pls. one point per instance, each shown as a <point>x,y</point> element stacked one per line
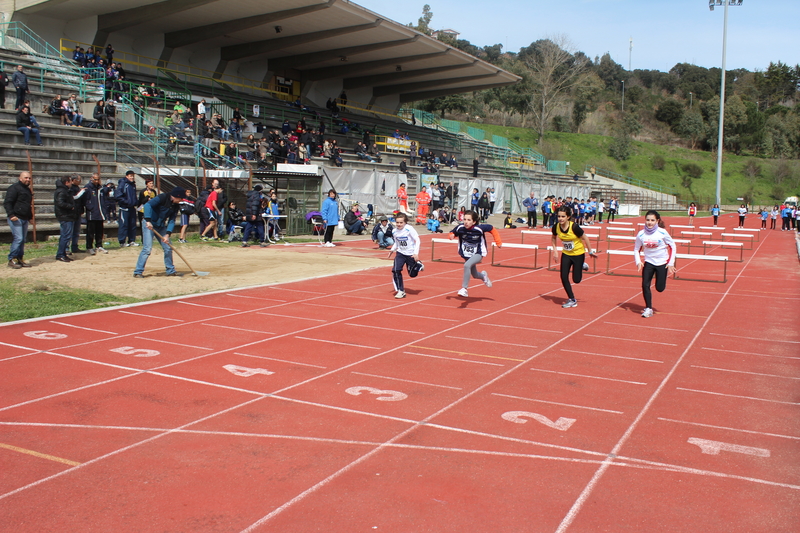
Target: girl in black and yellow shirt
<point>575,245</point>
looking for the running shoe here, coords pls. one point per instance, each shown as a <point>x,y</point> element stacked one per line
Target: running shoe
<point>486,280</point>
<point>400,294</point>
<point>586,266</point>
<point>203,238</point>
<point>182,241</point>
<point>103,250</point>
<point>245,245</point>
<point>647,313</point>
<point>463,292</point>
<point>570,303</point>
<point>134,244</point>
<point>92,251</point>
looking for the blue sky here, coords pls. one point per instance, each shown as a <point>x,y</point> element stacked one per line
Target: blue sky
<point>664,33</point>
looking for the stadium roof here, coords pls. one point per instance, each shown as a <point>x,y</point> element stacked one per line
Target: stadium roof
<point>322,43</point>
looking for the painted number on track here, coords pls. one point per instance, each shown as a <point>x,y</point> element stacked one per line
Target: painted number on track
<point>136,352</point>
<point>382,395</point>
<point>713,447</point>
<point>245,372</point>
<point>519,417</point>
<point>45,335</point>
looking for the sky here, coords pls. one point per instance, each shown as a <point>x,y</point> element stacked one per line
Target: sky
<point>664,33</point>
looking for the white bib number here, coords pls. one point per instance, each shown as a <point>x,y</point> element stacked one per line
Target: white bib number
<point>568,246</point>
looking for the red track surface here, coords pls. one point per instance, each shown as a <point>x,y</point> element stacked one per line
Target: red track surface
<point>498,412</point>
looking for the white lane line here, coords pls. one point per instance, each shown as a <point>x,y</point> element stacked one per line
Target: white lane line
<point>83,328</point>
<point>343,409</point>
<point>454,359</point>
<point>459,308</point>
<point>293,290</point>
<point>18,356</point>
<point>587,376</point>
<point>239,329</point>
<point>279,360</point>
<point>490,341</point>
<point>745,372</point>
<point>624,339</point>
<point>614,356</point>
<point>740,430</point>
<point>151,316</point>
<point>384,328</point>
<point>290,316</point>
<point>175,343</point>
<point>335,342</point>
<point>752,338</point>
<point>71,390</point>
<point>522,328</point>
<point>255,298</point>
<point>751,353</point>
<point>545,316</point>
<point>333,306</point>
<point>409,314</point>
<point>737,396</point>
<point>558,403</point>
<point>209,306</point>
<point>406,380</point>
<point>637,325</point>
<point>20,347</point>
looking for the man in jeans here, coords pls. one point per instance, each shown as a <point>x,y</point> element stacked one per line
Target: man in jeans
<point>382,234</point>
<point>159,216</point>
<point>64,204</point>
<point>532,204</point>
<point>18,204</point>
<point>125,195</point>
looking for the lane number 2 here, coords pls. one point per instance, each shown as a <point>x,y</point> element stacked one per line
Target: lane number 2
<point>519,417</point>
<point>382,395</point>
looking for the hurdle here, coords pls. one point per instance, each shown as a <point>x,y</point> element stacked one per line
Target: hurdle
<point>722,258</point>
<point>533,232</point>
<point>743,236</point>
<point>442,241</point>
<point>626,238</point>
<point>626,229</point>
<point>534,247</point>
<point>621,223</point>
<point>673,226</point>
<point>712,228</point>
<point>755,232</point>
<point>696,234</point>
<point>559,249</point>
<point>726,244</point>
<point>596,236</point>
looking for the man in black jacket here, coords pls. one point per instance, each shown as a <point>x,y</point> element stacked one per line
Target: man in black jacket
<point>65,210</point>
<point>19,210</point>
<point>252,216</point>
<point>27,126</point>
<point>96,214</point>
<point>20,81</point>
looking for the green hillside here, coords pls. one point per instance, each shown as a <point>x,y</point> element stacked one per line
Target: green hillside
<point>761,181</point>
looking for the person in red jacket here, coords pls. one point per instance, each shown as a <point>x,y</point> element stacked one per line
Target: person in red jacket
<point>423,202</point>
<point>402,198</point>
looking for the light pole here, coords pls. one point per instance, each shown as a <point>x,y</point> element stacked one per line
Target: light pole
<point>623,96</point>
<point>690,100</point>
<point>711,4</point>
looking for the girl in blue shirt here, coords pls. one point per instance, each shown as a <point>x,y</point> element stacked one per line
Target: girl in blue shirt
<point>715,213</point>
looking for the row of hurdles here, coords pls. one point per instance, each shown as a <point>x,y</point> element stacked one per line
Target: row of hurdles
<point>623,233</point>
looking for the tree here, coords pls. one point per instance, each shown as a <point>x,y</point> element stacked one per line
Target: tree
<point>452,102</point>
<point>691,127</point>
<point>554,72</point>
<point>423,24</point>
<point>610,71</point>
<point>670,111</point>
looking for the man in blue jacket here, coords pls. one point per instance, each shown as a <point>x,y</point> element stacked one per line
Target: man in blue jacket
<point>532,204</point>
<point>126,199</point>
<point>159,216</point>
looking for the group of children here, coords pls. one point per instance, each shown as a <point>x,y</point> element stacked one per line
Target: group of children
<point>584,212</point>
<point>653,241</point>
<point>789,215</point>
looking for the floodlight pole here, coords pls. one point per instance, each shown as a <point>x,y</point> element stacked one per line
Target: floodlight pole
<point>722,91</point>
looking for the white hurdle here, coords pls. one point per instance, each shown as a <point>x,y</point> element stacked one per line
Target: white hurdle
<point>696,257</point>
<point>621,223</point>
<point>559,249</point>
<point>534,247</point>
<point>442,241</point>
<point>726,244</point>
<point>755,232</point>
<point>743,236</point>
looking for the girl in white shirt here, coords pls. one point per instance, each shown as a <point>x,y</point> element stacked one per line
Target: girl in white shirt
<point>406,244</point>
<point>659,257</point>
<point>742,213</point>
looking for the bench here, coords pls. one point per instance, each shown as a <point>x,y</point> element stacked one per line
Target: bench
<point>743,236</point>
<point>533,247</point>
<point>726,244</point>
<point>722,258</point>
<point>559,249</point>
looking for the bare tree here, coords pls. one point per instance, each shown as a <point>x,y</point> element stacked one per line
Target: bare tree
<point>554,71</point>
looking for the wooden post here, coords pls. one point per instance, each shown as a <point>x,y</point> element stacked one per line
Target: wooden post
<point>33,198</point>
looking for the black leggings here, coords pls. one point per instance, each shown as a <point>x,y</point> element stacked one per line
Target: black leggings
<point>576,262</point>
<point>716,217</point>
<point>650,270</point>
<point>329,233</point>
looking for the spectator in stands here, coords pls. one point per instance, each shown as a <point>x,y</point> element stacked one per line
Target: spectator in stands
<point>206,136</point>
<point>286,128</point>
<point>235,130</point>
<point>475,168</point>
<point>64,205</point>
<point>361,152</point>
<point>109,53</point>
<point>26,125</point>
<point>18,204</point>
<point>111,114</point>
<point>375,154</point>
<point>201,107</point>
<point>352,223</point>
<point>231,155</point>
<point>382,234</point>
<point>125,195</point>
<point>336,157</point>
<point>3,83</point>
<point>403,167</point>
<point>73,111</point>
<point>56,109</point>
<point>99,114</point>
<point>20,81</point>
<point>397,135</point>
<point>412,153</point>
<point>343,98</point>
<point>79,56</point>
<point>219,127</point>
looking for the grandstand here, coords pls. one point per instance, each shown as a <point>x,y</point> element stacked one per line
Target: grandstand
<point>379,76</point>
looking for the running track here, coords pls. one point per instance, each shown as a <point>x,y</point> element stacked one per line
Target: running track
<point>326,405</point>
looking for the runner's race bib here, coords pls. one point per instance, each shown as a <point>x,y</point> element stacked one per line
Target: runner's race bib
<point>568,246</point>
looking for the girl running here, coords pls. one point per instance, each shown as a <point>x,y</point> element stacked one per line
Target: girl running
<point>659,257</point>
<point>715,213</point>
<point>692,213</point>
<point>472,247</point>
<point>406,244</point>
<point>742,213</point>
<point>575,245</point>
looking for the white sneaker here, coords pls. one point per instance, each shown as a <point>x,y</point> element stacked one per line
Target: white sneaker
<point>647,313</point>
<point>400,294</point>
<point>486,280</point>
<point>586,266</point>
<point>134,244</point>
<point>91,251</point>
<point>101,249</point>
<point>329,245</point>
<point>570,303</point>
<point>463,292</point>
